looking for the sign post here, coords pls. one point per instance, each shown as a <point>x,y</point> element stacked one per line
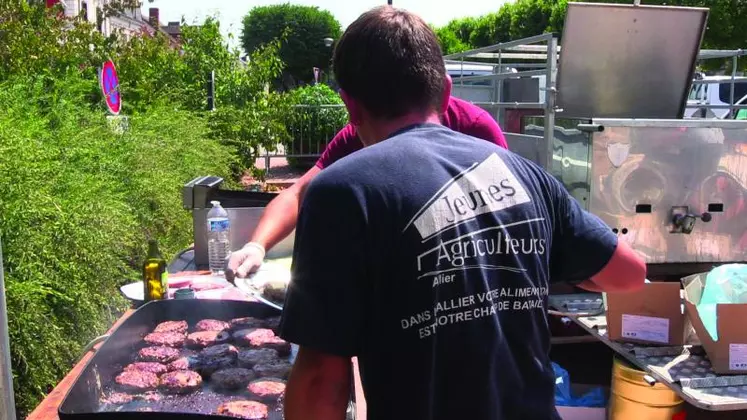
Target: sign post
<point>112,97</point>
<point>7,401</point>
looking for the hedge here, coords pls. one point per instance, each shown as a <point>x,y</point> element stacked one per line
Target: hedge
<point>77,203</point>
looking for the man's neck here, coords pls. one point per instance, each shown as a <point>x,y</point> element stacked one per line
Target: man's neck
<point>385,129</point>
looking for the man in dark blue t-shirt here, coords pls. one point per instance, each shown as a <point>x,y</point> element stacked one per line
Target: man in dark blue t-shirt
<point>428,255</point>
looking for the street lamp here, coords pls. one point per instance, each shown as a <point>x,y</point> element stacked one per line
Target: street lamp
<point>328,42</point>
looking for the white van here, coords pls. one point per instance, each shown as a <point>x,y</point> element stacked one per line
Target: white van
<point>483,90</point>
<point>714,90</point>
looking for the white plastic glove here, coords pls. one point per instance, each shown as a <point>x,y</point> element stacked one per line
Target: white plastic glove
<point>245,261</point>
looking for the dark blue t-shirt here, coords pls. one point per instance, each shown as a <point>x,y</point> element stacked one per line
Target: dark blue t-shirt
<point>429,256</point>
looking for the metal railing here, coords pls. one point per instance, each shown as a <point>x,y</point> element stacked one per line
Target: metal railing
<point>311,128</point>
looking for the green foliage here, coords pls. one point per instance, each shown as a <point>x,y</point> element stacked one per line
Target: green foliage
<point>312,122</point>
<point>77,201</point>
<point>305,27</point>
<point>525,18</point>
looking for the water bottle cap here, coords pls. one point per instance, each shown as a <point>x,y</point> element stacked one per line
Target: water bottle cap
<point>215,203</point>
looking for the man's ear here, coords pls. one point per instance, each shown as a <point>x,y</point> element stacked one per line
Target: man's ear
<point>446,94</point>
<point>354,110</point>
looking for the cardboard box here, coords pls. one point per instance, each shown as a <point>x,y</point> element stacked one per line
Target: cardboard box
<point>653,315</point>
<point>729,353</point>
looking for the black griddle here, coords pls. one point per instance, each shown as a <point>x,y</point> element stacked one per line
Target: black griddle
<point>96,382</point>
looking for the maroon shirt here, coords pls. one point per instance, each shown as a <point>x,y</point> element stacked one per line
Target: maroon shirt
<point>460,116</point>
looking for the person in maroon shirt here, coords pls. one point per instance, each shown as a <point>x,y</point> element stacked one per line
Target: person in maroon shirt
<point>280,216</point>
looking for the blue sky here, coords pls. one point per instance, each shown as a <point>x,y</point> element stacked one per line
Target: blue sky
<point>230,12</point>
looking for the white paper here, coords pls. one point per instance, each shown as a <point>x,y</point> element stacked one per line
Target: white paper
<point>737,356</point>
<point>645,328</point>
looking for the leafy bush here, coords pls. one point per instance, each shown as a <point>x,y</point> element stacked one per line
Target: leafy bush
<point>77,202</point>
<point>317,114</point>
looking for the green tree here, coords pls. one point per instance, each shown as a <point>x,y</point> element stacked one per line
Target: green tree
<point>304,29</point>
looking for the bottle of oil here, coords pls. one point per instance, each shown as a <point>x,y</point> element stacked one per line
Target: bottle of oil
<point>155,274</point>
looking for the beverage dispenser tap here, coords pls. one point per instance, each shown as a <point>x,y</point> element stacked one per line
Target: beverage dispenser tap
<point>684,222</point>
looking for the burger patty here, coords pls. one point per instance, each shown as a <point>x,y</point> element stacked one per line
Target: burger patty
<point>247,323</point>
<point>184,363</point>
<point>118,398</point>
<point>160,354</point>
<point>180,382</point>
<point>204,339</point>
<point>275,369</point>
<point>137,381</point>
<point>209,365</point>
<point>250,410</point>
<point>233,378</point>
<point>220,351</point>
<point>172,326</point>
<point>267,390</point>
<point>212,325</point>
<point>265,339</point>
<point>169,339</point>
<point>249,358</point>
<point>157,368</point>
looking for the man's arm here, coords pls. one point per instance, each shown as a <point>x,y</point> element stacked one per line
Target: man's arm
<point>587,253</point>
<point>280,216</point>
<point>318,387</point>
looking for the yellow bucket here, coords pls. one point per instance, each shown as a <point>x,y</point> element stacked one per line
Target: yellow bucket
<point>633,398</point>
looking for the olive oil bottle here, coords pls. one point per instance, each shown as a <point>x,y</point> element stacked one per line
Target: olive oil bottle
<point>155,274</point>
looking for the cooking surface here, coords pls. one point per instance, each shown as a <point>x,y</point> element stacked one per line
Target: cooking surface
<point>96,383</point>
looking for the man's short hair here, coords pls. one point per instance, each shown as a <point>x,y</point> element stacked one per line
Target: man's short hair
<point>391,62</point>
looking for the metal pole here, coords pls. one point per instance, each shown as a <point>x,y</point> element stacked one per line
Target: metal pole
<point>733,77</point>
<point>552,56</point>
<point>7,402</point>
<point>389,2</point>
<point>211,91</point>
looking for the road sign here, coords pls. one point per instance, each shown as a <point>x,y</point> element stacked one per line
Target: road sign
<point>110,87</point>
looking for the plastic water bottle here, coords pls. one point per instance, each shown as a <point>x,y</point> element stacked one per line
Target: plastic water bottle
<point>219,238</point>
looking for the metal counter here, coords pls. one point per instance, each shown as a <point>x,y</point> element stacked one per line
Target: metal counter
<point>684,369</point>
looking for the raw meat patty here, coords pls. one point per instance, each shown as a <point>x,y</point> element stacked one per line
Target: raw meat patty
<point>275,369</point>
<point>264,338</point>
<point>172,326</point>
<point>169,339</point>
<point>247,323</point>
<point>137,381</point>
<point>212,325</point>
<point>250,410</point>
<point>157,368</point>
<point>233,378</point>
<point>249,358</point>
<point>220,351</point>
<point>160,354</point>
<point>184,363</point>
<point>204,339</point>
<point>267,390</point>
<point>180,382</point>
<point>118,398</point>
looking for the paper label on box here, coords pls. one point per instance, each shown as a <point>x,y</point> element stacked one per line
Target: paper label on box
<point>645,328</point>
<point>737,356</point>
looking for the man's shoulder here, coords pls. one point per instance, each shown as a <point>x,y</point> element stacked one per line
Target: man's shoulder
<point>462,107</point>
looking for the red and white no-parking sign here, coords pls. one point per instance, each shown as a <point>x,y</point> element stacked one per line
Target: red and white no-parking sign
<point>110,87</point>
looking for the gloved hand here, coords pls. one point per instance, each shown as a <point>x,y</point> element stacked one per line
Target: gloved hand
<point>245,261</point>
